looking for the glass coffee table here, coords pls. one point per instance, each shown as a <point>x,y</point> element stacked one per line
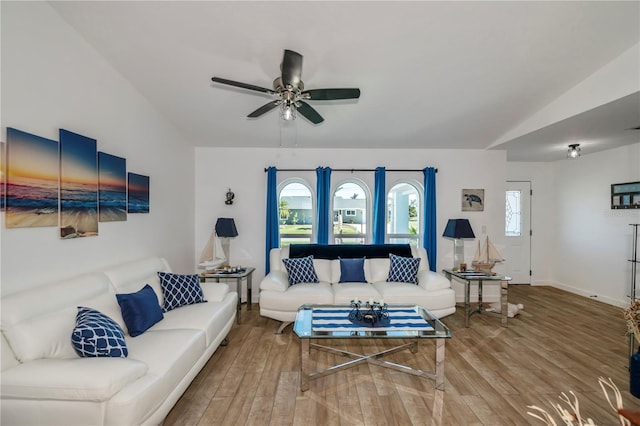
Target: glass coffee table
<point>406,323</point>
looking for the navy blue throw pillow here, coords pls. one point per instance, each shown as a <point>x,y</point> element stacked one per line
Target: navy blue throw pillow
<point>97,335</point>
<point>352,270</point>
<point>140,310</point>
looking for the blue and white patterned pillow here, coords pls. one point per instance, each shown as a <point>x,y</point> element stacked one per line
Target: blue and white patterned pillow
<point>97,335</point>
<point>180,290</point>
<point>300,270</point>
<point>403,269</point>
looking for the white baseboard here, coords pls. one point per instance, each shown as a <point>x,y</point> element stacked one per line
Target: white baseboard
<point>490,296</point>
<point>590,295</point>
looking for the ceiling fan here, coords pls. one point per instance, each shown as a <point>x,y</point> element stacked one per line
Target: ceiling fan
<point>289,89</point>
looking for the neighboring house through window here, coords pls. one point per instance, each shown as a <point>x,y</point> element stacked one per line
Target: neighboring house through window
<point>404,213</point>
<point>350,213</point>
<point>296,212</point>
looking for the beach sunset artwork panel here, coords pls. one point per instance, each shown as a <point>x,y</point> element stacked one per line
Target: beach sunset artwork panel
<point>138,200</point>
<point>112,188</point>
<point>3,168</point>
<point>32,180</point>
<point>78,185</point>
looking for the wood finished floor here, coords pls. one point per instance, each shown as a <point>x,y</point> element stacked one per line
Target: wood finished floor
<point>559,343</point>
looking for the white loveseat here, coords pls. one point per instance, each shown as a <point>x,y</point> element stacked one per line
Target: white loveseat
<point>280,301</point>
<point>44,382</point>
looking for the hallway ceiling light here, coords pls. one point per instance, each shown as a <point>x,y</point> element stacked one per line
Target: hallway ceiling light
<point>574,151</point>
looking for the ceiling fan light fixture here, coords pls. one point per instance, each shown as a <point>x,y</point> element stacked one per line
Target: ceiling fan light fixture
<point>574,151</point>
<point>288,111</point>
<point>288,89</point>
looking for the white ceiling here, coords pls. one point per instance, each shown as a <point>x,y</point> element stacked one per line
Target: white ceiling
<point>448,75</point>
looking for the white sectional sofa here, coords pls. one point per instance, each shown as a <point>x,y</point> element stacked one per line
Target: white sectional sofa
<point>280,300</point>
<point>44,381</point>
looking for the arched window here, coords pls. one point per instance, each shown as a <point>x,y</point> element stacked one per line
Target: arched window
<point>350,213</point>
<point>296,208</point>
<point>404,213</point>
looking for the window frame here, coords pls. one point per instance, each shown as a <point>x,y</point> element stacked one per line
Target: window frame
<point>421,206</point>
<point>281,186</point>
<point>367,236</point>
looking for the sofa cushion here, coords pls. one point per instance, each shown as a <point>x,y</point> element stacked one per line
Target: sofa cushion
<point>301,270</point>
<point>78,379</point>
<point>209,317</point>
<point>345,293</point>
<point>376,269</point>
<point>187,346</point>
<point>352,270</point>
<point>324,269</point>
<point>140,310</point>
<point>297,295</point>
<point>37,321</point>
<point>411,294</point>
<point>403,269</point>
<point>97,335</point>
<point>129,277</point>
<point>180,290</point>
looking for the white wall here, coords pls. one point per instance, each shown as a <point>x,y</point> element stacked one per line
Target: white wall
<point>51,79</point>
<point>585,245</point>
<point>242,170</point>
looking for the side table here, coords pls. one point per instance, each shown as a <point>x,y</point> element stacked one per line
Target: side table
<point>238,276</point>
<point>467,278</point>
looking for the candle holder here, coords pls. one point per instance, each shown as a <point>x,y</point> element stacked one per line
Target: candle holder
<point>371,313</point>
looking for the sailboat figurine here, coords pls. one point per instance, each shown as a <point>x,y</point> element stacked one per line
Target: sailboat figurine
<point>486,257</point>
<point>212,256</point>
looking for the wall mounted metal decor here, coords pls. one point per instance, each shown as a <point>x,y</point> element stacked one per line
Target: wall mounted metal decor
<point>229,197</point>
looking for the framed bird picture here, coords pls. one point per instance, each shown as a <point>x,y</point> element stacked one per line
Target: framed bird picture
<point>473,200</point>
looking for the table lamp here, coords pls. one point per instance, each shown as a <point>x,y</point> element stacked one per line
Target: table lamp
<point>458,229</point>
<point>226,229</point>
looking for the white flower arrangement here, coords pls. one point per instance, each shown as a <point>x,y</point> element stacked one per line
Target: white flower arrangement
<point>572,417</point>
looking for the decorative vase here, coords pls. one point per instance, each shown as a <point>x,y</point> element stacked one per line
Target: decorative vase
<point>634,374</point>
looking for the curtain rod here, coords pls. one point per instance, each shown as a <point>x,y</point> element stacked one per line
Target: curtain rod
<point>348,170</point>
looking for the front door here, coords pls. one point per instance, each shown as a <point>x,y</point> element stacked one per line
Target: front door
<point>518,232</point>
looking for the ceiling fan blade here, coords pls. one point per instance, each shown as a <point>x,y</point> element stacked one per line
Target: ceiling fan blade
<point>241,85</point>
<point>265,108</point>
<point>331,94</point>
<point>308,112</point>
<point>291,68</point>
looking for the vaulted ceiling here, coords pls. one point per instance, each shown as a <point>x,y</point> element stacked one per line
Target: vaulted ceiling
<point>452,75</point>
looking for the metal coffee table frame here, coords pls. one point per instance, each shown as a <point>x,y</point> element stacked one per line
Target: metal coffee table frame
<point>303,329</point>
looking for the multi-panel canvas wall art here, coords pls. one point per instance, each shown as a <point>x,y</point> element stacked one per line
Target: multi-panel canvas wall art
<point>112,188</point>
<point>32,180</point>
<point>78,185</point>
<point>3,173</point>
<point>138,200</point>
<point>67,184</point>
